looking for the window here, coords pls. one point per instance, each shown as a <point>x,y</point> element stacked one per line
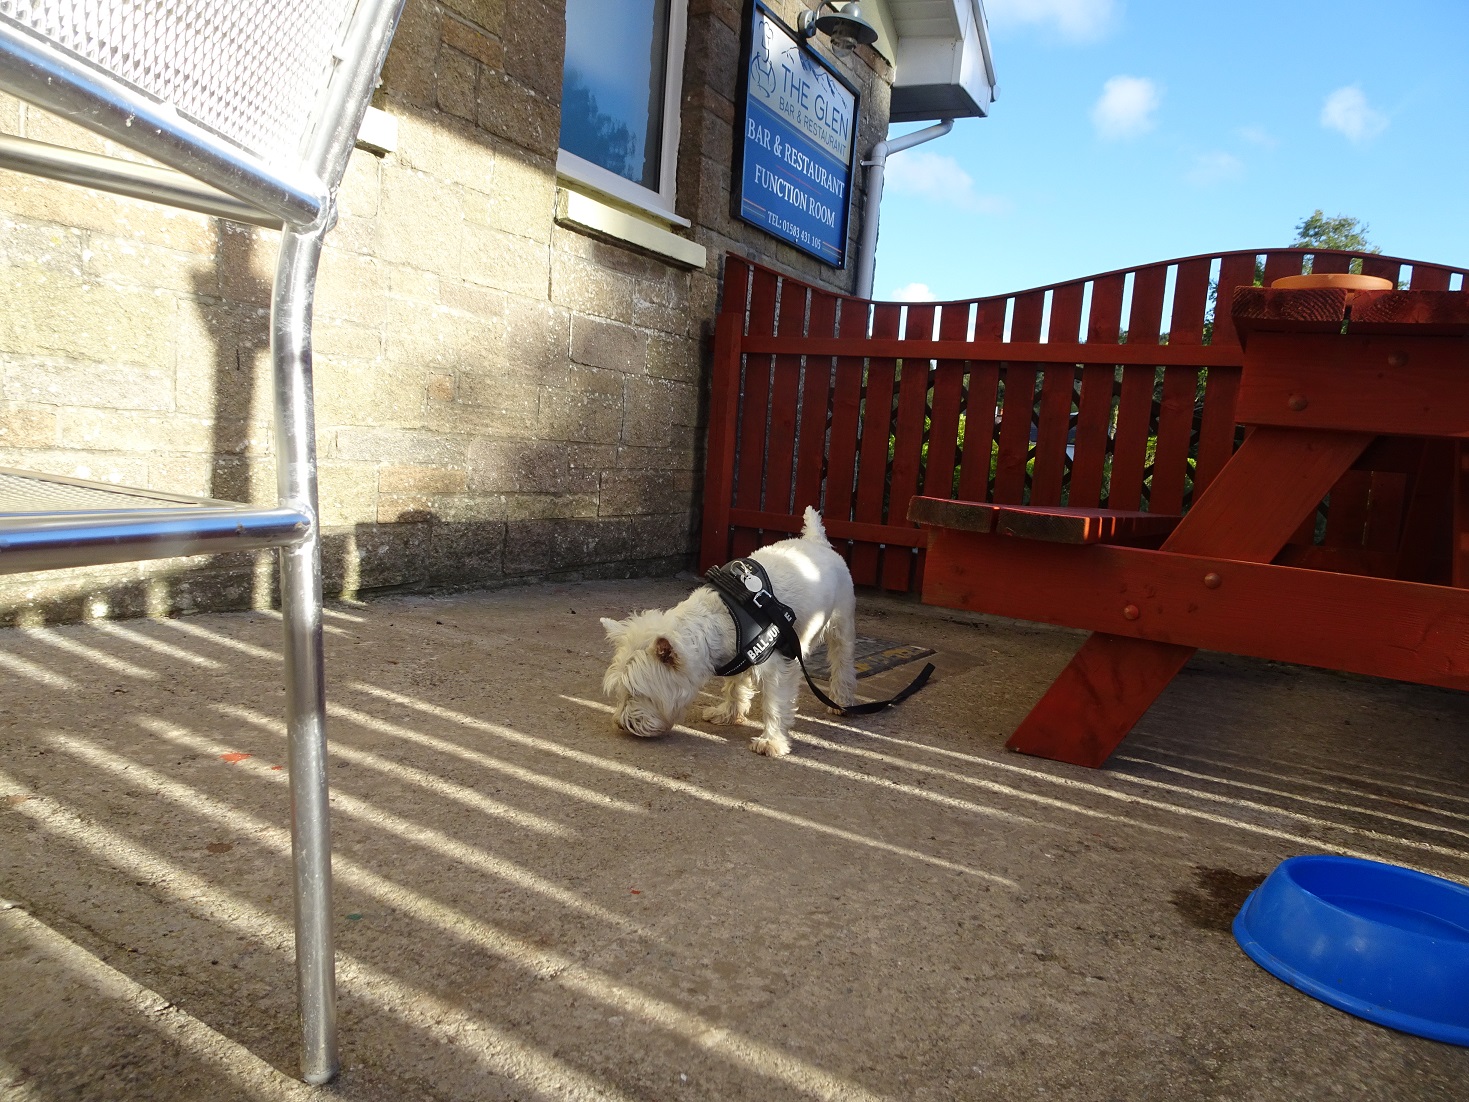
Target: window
<point>620,98</point>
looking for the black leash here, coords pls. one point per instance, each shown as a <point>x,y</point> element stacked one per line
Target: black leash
<point>764,625</point>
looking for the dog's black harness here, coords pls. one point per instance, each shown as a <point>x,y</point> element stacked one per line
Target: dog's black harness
<point>765,626</point>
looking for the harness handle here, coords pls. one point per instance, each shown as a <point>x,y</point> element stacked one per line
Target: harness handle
<point>744,587</point>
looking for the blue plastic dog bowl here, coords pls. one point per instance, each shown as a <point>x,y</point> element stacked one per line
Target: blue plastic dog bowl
<point>1379,941</point>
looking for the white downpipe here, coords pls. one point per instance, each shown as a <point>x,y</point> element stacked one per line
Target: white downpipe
<point>867,246</point>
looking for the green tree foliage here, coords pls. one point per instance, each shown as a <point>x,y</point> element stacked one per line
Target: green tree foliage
<point>1316,231</point>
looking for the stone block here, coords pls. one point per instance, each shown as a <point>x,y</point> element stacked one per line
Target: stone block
<point>505,409</point>
<point>129,263</point>
<point>676,358</point>
<point>674,319</point>
<point>472,41</point>
<point>597,342</point>
<point>87,321</point>
<point>450,150</point>
<point>41,246</point>
<point>663,535</point>
<point>456,82</point>
<point>572,414</point>
<point>504,261</point>
<point>585,288</point>
<point>84,209</point>
<point>552,546</point>
<point>637,493</point>
<point>336,339</point>
<point>533,51</point>
<point>349,288</point>
<point>67,383</point>
<point>464,508</point>
<point>419,223</point>
<point>399,447</point>
<point>360,392</point>
<point>406,282</point>
<point>527,466</point>
<point>652,408</point>
<point>26,427</point>
<point>550,506</point>
<point>131,431</point>
<point>408,71</point>
<point>361,187</point>
<point>10,111</point>
<point>246,262</point>
<point>488,15</point>
<point>120,470</point>
<point>421,480</point>
<point>519,198</point>
<point>347,492</point>
<point>404,508</point>
<point>222,366</point>
<point>462,554</point>
<point>441,387</point>
<point>419,338</point>
<point>510,110</point>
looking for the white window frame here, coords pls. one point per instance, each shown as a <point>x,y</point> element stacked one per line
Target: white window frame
<point>578,170</point>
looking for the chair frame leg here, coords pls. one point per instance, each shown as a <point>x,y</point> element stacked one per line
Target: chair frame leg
<point>305,677</point>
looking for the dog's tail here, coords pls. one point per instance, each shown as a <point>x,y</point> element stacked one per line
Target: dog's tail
<point>814,529</point>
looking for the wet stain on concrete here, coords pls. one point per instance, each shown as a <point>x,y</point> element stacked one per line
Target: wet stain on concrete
<point>1216,898</point>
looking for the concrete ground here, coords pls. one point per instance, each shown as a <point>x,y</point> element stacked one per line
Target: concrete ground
<point>533,906</point>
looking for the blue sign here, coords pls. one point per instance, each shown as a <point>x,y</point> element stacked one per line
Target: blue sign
<point>799,132</point>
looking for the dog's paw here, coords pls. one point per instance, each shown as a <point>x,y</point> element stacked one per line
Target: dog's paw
<point>770,747</point>
<point>723,714</point>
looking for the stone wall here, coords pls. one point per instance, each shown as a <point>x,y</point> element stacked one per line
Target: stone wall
<point>499,398</point>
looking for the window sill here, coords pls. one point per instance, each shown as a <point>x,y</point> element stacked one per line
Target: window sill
<point>579,211</point>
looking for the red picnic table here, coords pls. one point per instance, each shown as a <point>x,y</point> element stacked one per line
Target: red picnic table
<point>1331,376</point>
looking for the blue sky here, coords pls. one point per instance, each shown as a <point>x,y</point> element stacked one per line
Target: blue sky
<point>1129,131</point>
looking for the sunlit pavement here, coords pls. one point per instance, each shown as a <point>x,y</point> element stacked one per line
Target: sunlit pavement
<point>531,905</point>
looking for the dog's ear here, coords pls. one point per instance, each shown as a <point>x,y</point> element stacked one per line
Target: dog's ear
<point>616,629</point>
<point>665,652</point>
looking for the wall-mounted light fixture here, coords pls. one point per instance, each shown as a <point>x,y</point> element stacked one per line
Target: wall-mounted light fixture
<point>843,25</point>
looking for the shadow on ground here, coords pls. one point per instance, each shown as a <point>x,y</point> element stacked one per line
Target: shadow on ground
<point>532,906</point>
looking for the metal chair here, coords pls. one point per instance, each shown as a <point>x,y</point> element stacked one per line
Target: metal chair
<point>255,108</point>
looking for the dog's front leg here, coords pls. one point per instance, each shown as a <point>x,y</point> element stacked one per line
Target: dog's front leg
<point>734,704</point>
<point>778,686</point>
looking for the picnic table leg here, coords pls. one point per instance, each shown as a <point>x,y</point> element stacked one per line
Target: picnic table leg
<point>1461,515</point>
<point>1275,479</point>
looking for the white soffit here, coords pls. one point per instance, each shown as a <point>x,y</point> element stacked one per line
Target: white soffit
<point>943,67</point>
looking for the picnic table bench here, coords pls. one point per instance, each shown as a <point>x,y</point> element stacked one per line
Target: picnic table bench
<point>1341,392</point>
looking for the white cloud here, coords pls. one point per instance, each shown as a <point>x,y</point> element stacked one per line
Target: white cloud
<point>1074,20</point>
<point>1214,168</point>
<point>1126,107</point>
<point>939,179</point>
<point>913,292</point>
<point>1347,111</point>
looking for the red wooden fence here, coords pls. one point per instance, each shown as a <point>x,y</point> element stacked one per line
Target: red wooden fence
<point>1116,390</point>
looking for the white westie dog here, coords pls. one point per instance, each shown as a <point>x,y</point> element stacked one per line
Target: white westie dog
<point>665,657</point>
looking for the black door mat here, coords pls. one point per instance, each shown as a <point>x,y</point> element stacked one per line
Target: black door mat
<point>871,656</point>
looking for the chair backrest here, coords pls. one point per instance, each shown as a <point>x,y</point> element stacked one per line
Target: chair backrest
<point>260,99</point>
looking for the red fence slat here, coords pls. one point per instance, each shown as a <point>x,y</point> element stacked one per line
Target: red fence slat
<point>846,409</point>
<point>785,390</point>
<point>1058,383</point>
<point>724,398</point>
<point>811,445</point>
<point>754,407</point>
<point>1019,403</point>
<point>897,567</point>
<point>877,423</point>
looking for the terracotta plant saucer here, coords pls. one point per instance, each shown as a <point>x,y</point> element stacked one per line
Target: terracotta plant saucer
<point>1343,281</point>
